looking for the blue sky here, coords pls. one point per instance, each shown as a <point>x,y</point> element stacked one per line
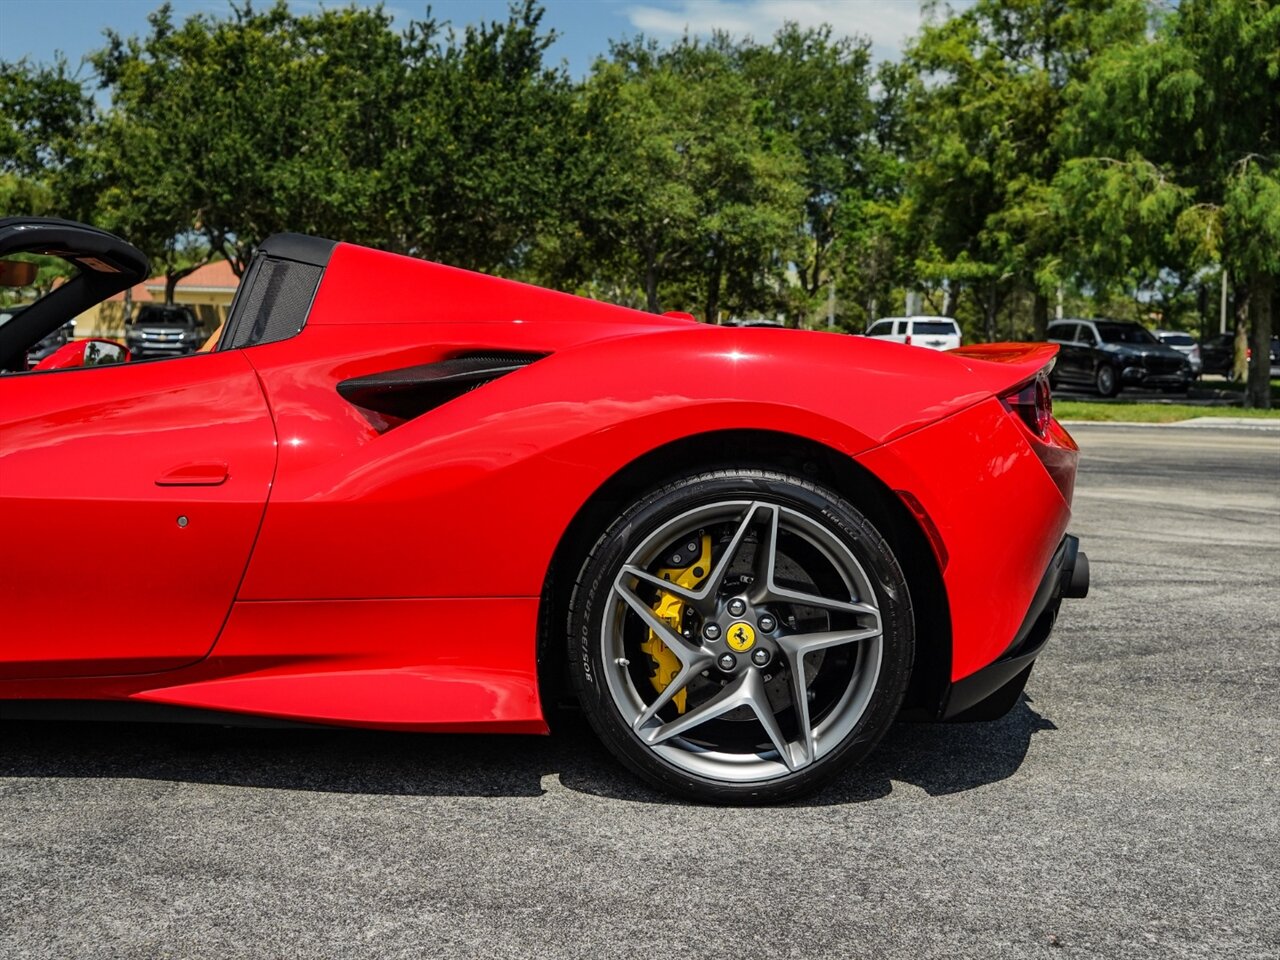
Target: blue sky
<point>38,30</point>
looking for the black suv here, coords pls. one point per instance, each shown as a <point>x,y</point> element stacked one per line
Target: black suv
<point>1109,355</point>
<point>1219,354</point>
<point>160,331</point>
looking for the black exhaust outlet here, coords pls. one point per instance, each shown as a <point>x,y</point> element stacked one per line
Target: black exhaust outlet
<point>1075,571</point>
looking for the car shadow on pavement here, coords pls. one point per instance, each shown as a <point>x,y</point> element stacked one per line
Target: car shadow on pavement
<point>941,759</point>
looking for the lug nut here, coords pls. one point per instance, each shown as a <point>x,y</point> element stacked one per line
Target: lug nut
<point>760,656</point>
<point>727,661</point>
<point>767,623</point>
<point>711,631</point>
<point>737,607</point>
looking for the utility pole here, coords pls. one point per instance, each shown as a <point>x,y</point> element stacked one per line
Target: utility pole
<point>831,303</point>
<point>1222,311</point>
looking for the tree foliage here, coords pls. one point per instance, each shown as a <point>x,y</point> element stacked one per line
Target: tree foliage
<point>44,111</point>
<point>675,188</point>
<point>985,108</point>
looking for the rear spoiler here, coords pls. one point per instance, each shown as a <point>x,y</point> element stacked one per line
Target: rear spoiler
<point>1004,365</point>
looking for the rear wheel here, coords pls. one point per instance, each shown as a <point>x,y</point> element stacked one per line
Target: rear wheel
<point>740,636</point>
<point>1106,381</point>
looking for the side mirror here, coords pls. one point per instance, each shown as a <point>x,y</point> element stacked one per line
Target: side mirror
<point>84,353</point>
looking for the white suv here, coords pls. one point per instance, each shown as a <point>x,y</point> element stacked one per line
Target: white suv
<point>936,333</point>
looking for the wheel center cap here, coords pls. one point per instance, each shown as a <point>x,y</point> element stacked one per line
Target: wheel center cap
<point>740,636</point>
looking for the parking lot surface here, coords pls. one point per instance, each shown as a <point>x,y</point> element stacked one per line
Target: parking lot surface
<point>1129,807</point>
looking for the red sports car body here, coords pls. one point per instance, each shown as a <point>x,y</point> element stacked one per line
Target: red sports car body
<point>371,506</point>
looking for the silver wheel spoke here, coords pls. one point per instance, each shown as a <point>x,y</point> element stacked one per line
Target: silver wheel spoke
<point>706,597</point>
<point>798,644</point>
<point>794,649</point>
<point>693,659</point>
<point>678,683</point>
<point>684,650</point>
<point>745,690</point>
<point>764,713</point>
<point>684,593</point>
<point>730,698</point>
<point>777,594</point>
<point>800,700</point>
<point>766,546</point>
<point>767,588</point>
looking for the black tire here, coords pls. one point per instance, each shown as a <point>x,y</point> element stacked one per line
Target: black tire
<point>1106,382</point>
<point>599,616</point>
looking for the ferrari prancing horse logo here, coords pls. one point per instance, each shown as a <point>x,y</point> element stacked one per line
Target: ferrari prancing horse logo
<point>740,636</point>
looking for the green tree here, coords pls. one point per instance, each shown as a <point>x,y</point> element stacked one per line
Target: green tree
<point>249,125</point>
<point>815,89</point>
<point>1177,138</point>
<point>480,142</point>
<point>44,114</point>
<point>335,124</point>
<point>676,187</point>
<point>985,110</point>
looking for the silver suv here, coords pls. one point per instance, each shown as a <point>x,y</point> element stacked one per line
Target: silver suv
<point>163,331</point>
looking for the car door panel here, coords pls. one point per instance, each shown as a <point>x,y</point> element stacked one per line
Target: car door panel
<point>1063,335</point>
<point>1082,351</point>
<point>130,496</point>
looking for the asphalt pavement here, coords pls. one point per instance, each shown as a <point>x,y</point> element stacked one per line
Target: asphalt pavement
<point>1129,807</point>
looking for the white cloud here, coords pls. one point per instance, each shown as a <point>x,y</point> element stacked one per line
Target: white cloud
<point>888,23</point>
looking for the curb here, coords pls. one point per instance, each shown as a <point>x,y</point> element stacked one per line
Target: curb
<point>1195,423</point>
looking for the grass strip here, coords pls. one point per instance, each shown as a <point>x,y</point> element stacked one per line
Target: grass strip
<point>1149,412</point>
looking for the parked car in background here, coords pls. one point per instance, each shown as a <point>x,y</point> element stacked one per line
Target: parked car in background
<point>936,333</point>
<point>1218,355</point>
<point>1185,344</point>
<point>1109,355</point>
<point>47,345</point>
<point>163,331</point>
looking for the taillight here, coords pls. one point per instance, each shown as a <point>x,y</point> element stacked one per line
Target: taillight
<point>1033,403</point>
<point>908,340</point>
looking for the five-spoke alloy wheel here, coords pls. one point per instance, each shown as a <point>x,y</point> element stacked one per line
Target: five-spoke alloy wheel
<point>741,636</point>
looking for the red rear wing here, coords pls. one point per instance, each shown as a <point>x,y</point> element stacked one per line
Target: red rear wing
<point>1004,365</point>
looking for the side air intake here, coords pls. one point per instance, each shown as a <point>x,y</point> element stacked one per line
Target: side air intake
<point>411,391</point>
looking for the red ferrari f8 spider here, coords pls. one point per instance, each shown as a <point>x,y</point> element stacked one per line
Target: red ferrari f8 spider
<point>403,496</point>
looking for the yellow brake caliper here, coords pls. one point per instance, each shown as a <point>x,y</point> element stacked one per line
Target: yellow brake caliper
<point>670,610</point>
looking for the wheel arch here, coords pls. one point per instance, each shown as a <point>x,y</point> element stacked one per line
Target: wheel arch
<point>930,675</point>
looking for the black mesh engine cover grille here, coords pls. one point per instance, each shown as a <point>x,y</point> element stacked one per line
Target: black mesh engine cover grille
<point>277,304</point>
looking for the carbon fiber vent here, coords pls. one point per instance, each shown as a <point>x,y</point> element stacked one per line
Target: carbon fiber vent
<point>276,293</point>
<point>411,391</point>
<point>278,302</point>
